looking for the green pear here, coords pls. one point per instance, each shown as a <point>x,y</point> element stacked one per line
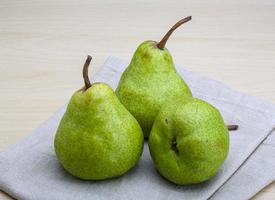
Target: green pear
<point>150,80</point>
<point>189,141</point>
<point>97,137</point>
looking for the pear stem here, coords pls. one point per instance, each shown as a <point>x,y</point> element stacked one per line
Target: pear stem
<point>232,127</point>
<point>162,43</point>
<point>85,72</point>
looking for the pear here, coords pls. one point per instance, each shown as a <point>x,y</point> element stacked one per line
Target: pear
<point>189,141</point>
<point>97,137</point>
<point>150,80</point>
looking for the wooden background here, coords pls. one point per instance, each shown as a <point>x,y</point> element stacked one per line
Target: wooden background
<point>43,45</point>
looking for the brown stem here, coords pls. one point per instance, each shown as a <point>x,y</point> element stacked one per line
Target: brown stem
<point>85,72</point>
<point>232,127</point>
<point>162,43</point>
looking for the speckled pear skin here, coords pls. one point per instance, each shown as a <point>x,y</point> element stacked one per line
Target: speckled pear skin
<point>97,137</point>
<point>189,141</point>
<point>149,81</point>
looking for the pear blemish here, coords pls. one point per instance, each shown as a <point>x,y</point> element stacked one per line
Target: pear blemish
<point>174,145</point>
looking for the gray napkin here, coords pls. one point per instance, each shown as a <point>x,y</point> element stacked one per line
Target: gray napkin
<point>257,172</point>
<point>30,170</point>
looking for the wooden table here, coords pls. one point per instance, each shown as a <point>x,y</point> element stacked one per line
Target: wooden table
<point>43,45</point>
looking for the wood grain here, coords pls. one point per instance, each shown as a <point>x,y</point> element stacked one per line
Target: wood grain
<point>43,45</point>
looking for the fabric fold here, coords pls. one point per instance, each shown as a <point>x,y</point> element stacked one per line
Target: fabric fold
<point>30,170</point>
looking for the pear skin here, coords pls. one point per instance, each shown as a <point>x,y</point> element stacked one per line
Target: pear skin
<point>150,80</point>
<point>97,137</point>
<point>189,141</point>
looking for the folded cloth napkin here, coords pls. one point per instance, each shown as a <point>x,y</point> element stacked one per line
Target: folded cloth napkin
<point>257,172</point>
<point>30,170</point>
